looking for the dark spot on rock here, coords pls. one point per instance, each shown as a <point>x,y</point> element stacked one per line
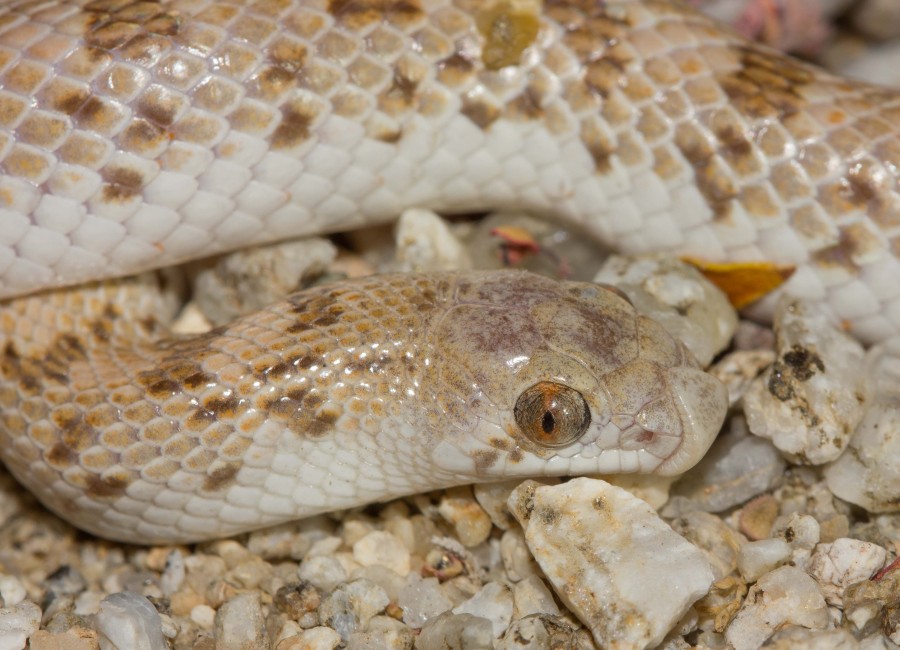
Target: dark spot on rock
<point>804,362</point>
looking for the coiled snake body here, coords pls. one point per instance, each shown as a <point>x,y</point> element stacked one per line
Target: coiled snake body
<point>139,134</point>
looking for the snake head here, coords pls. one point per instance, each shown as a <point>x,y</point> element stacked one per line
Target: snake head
<point>538,377</point>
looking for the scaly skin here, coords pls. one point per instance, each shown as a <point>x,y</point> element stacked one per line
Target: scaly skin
<point>140,134</point>
<point>356,392</point>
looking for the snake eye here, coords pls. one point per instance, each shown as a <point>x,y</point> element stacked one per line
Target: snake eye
<point>552,415</point>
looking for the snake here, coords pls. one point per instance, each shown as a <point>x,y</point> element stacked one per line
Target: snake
<point>138,134</point>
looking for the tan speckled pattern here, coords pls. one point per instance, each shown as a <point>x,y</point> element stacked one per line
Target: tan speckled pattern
<point>139,134</point>
<point>339,396</point>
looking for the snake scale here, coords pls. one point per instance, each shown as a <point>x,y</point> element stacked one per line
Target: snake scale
<point>135,134</point>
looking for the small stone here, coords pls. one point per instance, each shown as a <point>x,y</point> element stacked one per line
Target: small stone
<point>65,580</point>
<point>756,518</point>
<point>650,488</point>
<point>315,638</point>
<point>842,563</point>
<point>719,541</point>
<point>456,631</point>
<point>240,624</point>
<point>443,564</point>
<point>19,622</point>
<point>801,532</point>
<point>12,591</point>
<point>737,468</point>
<point>173,573</point>
<point>292,540</point>
<point>73,639</point>
<point>422,600</point>
<point>517,558</point>
<point>785,596</point>
<point>543,632</point>
<point>470,522</point>
<point>869,473</point>
<point>382,633</point>
<point>603,551</point>
<point>204,616</point>
<point>758,558</point>
<point>738,369</point>
<point>800,638</point>
<point>492,497</point>
<point>250,279</point>
<point>324,573</point>
<point>297,599</point>
<point>494,602</point>
<point>381,548</point>
<point>531,596</point>
<point>678,297</point>
<point>128,621</point>
<point>349,607</point>
<point>811,399</point>
<point>426,243</point>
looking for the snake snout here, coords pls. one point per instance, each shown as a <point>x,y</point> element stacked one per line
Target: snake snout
<point>702,403</point>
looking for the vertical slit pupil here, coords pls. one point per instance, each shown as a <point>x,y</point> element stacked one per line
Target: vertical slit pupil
<point>548,422</point>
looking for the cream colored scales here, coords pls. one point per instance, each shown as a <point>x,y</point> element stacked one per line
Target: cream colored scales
<point>137,135</point>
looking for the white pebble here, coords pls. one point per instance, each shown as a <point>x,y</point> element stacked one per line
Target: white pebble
<point>758,558</point>
<point>322,572</point>
<point>494,602</point>
<point>531,596</point>
<point>736,468</point>
<point>204,616</point>
<point>869,473</point>
<point>457,631</point>
<point>811,399</point>
<point>12,591</point>
<point>517,559</point>
<point>17,623</point>
<point>678,297</point>
<point>604,551</point>
<point>422,600</point>
<point>381,548</point>
<point>315,638</point>
<point>785,596</point>
<point>425,243</point>
<point>842,563</point>
<point>349,607</point>
<point>128,621</point>
<point>173,575</point>
<point>471,523</point>
<point>240,623</point>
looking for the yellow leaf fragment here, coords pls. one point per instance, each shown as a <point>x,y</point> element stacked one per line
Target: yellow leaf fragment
<point>743,282</point>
